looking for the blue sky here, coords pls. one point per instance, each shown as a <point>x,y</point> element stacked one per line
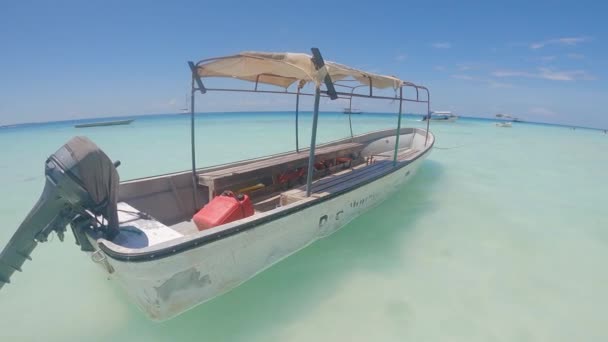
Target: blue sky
<point>541,61</point>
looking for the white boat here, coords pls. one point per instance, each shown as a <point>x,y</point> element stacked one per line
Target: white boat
<point>105,123</point>
<point>151,235</point>
<point>441,116</point>
<point>185,109</point>
<point>507,120</point>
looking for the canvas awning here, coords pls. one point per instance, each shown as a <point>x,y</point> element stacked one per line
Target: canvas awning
<point>283,69</point>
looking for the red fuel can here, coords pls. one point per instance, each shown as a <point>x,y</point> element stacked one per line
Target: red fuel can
<point>223,209</point>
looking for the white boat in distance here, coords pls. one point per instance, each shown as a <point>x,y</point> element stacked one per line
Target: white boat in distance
<point>174,241</point>
<point>441,116</point>
<point>507,120</point>
<point>185,109</point>
<point>105,123</point>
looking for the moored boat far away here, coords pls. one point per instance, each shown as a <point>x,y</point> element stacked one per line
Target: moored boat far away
<point>441,116</point>
<point>352,111</point>
<point>105,123</point>
<point>185,109</point>
<point>506,120</point>
<point>174,241</point>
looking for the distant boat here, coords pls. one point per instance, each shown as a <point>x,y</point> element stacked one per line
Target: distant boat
<point>352,111</point>
<point>508,123</point>
<point>441,116</point>
<point>508,117</point>
<point>105,123</point>
<point>186,109</point>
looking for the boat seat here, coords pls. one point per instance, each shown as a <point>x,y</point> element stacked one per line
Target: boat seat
<point>239,175</point>
<point>345,179</point>
<point>402,154</point>
<point>138,230</point>
<point>337,182</point>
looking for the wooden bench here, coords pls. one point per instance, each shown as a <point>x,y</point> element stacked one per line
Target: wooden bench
<point>334,183</point>
<point>260,170</point>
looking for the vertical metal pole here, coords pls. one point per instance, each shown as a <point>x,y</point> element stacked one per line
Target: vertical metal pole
<point>193,148</point>
<point>398,126</point>
<point>428,120</point>
<point>313,140</point>
<point>317,60</point>
<point>297,112</point>
<point>201,88</point>
<point>350,111</point>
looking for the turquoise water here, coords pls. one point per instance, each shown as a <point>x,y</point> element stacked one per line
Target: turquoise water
<point>501,236</point>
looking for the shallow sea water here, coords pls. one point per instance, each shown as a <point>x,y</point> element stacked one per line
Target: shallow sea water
<point>501,236</point>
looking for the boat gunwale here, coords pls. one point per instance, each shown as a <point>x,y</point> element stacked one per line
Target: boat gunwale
<point>199,241</point>
<point>250,160</point>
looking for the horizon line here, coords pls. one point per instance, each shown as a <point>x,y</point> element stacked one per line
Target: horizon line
<point>34,123</point>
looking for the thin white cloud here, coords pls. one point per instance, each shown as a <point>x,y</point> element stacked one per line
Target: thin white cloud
<point>494,84</point>
<point>575,56</point>
<point>547,74</point>
<point>401,57</point>
<point>441,45</point>
<point>471,66</point>
<point>440,68</point>
<point>541,111</point>
<point>463,77</point>
<point>511,73</point>
<point>547,58</point>
<point>489,82</point>
<point>573,75</point>
<point>572,41</point>
<point>172,102</point>
<point>565,41</point>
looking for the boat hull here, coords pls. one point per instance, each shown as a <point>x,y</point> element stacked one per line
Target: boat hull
<point>105,123</point>
<point>166,287</point>
<point>450,119</point>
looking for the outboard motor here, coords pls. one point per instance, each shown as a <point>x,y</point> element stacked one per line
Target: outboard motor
<point>81,189</point>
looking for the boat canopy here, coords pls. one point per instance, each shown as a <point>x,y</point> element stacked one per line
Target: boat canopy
<point>285,68</point>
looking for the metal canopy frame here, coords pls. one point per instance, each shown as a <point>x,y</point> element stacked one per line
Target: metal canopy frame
<point>329,91</point>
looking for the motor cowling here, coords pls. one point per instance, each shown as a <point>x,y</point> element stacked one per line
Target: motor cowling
<point>81,185</point>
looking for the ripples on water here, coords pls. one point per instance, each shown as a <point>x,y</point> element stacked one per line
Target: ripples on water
<point>500,236</point>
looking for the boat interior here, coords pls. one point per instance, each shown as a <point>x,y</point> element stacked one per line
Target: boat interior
<point>163,206</point>
<point>203,200</point>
